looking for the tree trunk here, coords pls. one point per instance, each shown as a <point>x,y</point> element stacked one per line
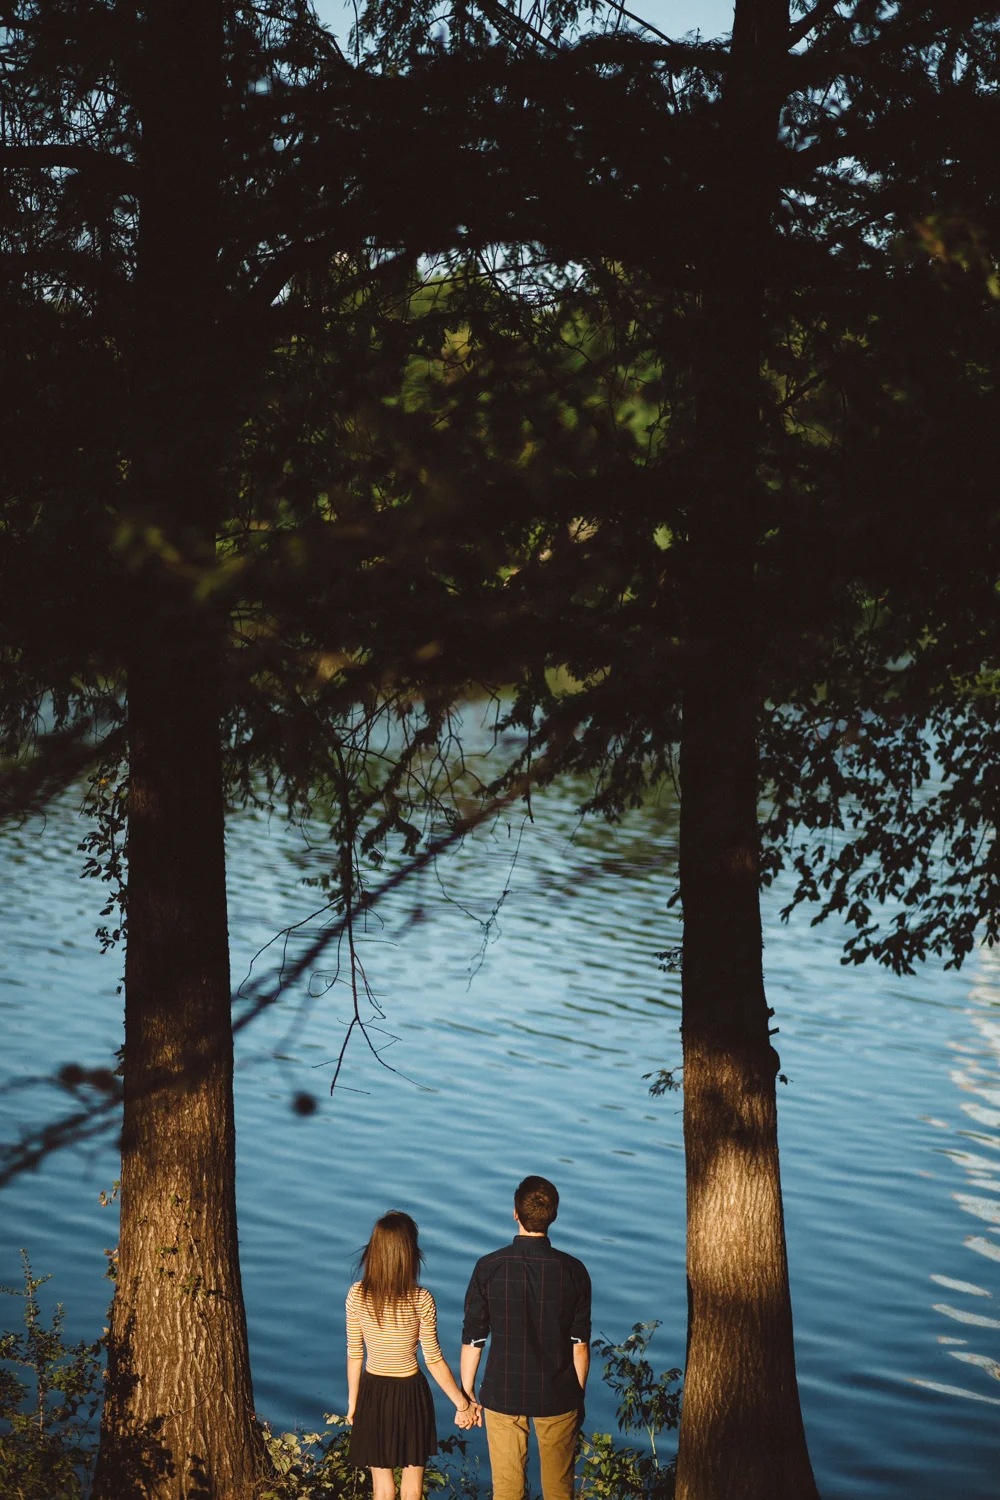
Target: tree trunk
<point>179,1414</point>
<point>741,1435</point>
<point>179,1417</point>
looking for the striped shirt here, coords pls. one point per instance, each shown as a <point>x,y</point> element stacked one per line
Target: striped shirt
<point>392,1344</point>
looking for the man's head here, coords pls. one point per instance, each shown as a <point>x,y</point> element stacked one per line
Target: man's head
<point>536,1204</point>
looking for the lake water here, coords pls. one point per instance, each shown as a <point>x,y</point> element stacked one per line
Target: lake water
<point>524,1048</point>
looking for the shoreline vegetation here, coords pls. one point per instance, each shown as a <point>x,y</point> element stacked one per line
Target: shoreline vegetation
<point>50,1413</point>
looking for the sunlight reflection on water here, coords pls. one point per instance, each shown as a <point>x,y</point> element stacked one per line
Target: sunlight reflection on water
<point>978,1075</point>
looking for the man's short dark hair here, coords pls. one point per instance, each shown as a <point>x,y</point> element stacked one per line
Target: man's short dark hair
<point>536,1204</point>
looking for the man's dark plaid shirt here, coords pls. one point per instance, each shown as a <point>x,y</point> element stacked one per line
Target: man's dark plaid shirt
<point>533,1303</point>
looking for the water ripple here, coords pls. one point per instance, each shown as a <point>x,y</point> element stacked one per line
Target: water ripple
<point>528,1039</point>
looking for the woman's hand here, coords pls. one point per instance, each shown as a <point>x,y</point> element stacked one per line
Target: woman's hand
<point>469,1416</point>
<point>350,1416</point>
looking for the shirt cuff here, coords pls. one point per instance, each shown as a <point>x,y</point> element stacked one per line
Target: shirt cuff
<point>475,1343</point>
<point>575,1340</point>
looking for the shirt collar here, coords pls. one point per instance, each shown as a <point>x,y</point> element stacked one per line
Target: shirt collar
<point>531,1244</point>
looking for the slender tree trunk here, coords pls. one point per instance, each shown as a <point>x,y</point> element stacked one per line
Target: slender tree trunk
<point>741,1434</point>
<point>178,1419</point>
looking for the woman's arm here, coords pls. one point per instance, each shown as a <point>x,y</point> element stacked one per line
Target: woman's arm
<point>440,1371</point>
<point>354,1363</point>
<point>437,1365</point>
<point>355,1350</point>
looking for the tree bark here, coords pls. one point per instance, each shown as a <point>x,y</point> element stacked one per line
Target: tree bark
<point>179,1416</point>
<point>741,1435</point>
<point>179,1413</point>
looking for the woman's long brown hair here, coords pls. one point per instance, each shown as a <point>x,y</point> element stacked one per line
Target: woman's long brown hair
<point>390,1263</point>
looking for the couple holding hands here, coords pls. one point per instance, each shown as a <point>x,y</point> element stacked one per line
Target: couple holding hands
<point>533,1304</point>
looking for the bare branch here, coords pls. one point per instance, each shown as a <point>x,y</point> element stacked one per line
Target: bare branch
<point>33,1147</point>
<point>646,25</point>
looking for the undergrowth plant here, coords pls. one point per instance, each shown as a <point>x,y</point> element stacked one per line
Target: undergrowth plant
<point>646,1403</point>
<point>46,1420</point>
<point>48,1426</point>
<point>312,1466</point>
<point>315,1466</point>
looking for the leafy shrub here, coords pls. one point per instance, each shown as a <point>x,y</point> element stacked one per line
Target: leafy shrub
<point>46,1423</point>
<point>47,1427</point>
<point>311,1466</point>
<point>314,1467</point>
<point>646,1403</point>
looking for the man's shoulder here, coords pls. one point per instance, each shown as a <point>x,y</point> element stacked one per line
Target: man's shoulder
<point>572,1264</point>
<point>494,1258</point>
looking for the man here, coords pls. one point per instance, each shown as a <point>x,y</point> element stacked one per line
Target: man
<point>533,1303</point>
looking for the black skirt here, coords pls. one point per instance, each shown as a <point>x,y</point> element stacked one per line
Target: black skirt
<point>393,1422</point>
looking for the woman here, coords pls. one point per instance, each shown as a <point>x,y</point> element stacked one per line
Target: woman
<point>389,1402</point>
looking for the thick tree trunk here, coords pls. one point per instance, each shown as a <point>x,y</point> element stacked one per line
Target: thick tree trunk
<point>741,1434</point>
<point>178,1419</point>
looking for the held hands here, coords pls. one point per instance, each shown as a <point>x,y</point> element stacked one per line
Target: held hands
<point>469,1416</point>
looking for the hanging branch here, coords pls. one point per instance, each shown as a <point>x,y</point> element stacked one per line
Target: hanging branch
<point>347,859</point>
<point>33,1147</point>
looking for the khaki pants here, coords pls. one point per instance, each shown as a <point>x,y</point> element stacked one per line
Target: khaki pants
<point>508,1440</point>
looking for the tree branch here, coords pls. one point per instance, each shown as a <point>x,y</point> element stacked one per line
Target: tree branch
<point>646,25</point>
<point>506,19</point>
<point>621,46</point>
<point>85,270</point>
<point>32,1148</point>
<point>813,18</point>
<point>294,258</point>
<point>75,157</point>
<point>28,784</point>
